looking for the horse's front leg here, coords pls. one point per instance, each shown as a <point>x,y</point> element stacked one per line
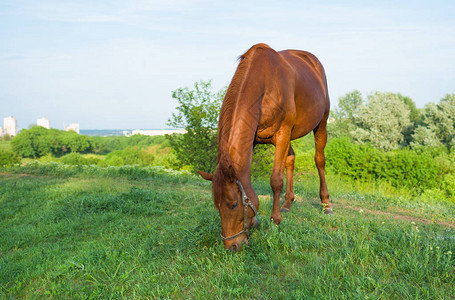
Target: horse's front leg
<point>282,144</point>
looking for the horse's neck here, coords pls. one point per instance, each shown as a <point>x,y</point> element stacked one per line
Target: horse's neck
<point>243,111</point>
<point>239,145</point>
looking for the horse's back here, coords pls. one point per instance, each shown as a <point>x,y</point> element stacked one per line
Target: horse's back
<point>310,91</point>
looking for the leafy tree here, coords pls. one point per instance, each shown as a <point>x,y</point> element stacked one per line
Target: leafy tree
<point>34,142</point>
<point>74,142</point>
<point>349,105</point>
<point>438,123</point>
<point>414,112</point>
<point>381,121</point>
<point>414,116</point>
<point>39,141</point>
<point>197,113</point>
<point>424,136</point>
<point>346,114</point>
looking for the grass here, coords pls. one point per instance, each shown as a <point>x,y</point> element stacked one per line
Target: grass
<point>89,232</point>
<point>5,145</point>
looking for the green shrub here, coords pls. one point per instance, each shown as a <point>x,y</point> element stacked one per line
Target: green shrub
<point>433,195</point>
<point>353,160</point>
<point>105,145</point>
<point>129,156</point>
<point>410,169</point>
<point>449,185</point>
<point>112,159</point>
<point>77,159</point>
<point>262,162</point>
<point>304,162</point>
<point>413,169</point>
<point>47,158</point>
<point>8,158</point>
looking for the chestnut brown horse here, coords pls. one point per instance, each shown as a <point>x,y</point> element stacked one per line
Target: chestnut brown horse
<point>274,97</point>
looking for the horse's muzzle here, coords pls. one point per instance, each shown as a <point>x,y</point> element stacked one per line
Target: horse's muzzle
<point>237,246</point>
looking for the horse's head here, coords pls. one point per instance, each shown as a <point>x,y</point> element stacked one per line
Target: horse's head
<point>237,212</point>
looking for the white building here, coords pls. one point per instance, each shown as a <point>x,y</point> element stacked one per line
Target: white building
<point>73,126</point>
<point>10,126</point>
<point>44,122</point>
<point>156,132</point>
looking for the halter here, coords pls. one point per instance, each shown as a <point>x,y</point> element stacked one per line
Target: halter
<point>246,202</point>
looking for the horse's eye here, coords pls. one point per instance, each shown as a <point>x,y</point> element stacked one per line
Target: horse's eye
<point>234,205</point>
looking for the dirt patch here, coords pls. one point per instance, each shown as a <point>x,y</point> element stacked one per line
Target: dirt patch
<point>14,174</point>
<point>262,197</point>
<point>397,216</point>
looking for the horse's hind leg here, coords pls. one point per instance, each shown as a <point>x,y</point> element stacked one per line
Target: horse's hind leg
<point>282,143</point>
<point>289,197</point>
<point>320,140</point>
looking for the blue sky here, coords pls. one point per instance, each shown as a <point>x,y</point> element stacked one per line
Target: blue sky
<point>113,64</point>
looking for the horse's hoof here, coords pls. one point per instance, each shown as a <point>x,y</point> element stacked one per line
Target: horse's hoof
<point>276,220</point>
<point>284,209</point>
<point>328,211</point>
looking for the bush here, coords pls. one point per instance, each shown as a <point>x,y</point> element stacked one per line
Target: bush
<point>262,162</point>
<point>77,159</point>
<point>8,158</point>
<point>415,170</point>
<point>353,160</point>
<point>449,185</point>
<point>129,156</point>
<point>105,145</point>
<point>410,169</point>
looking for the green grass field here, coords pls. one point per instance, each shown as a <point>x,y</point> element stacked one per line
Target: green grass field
<point>90,232</point>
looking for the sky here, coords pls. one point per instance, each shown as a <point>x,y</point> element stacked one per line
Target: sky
<point>110,64</point>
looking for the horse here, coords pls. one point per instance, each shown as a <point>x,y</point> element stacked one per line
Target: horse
<point>273,98</point>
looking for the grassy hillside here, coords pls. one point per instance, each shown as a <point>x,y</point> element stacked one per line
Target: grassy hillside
<point>89,232</point>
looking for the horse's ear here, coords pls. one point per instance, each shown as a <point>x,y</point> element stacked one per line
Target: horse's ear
<point>231,173</point>
<point>206,176</point>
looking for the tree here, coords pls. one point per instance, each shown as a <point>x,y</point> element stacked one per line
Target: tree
<point>197,113</point>
<point>415,117</point>
<point>39,141</point>
<point>414,112</point>
<point>346,114</point>
<point>424,136</point>
<point>348,106</point>
<point>33,142</point>
<point>382,121</point>
<point>438,122</point>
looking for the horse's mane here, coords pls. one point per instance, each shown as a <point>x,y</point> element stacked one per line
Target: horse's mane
<point>221,175</point>
<point>232,94</point>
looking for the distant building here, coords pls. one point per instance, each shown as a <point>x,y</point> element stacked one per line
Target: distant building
<point>10,126</point>
<point>155,132</point>
<point>73,127</point>
<point>44,122</point>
